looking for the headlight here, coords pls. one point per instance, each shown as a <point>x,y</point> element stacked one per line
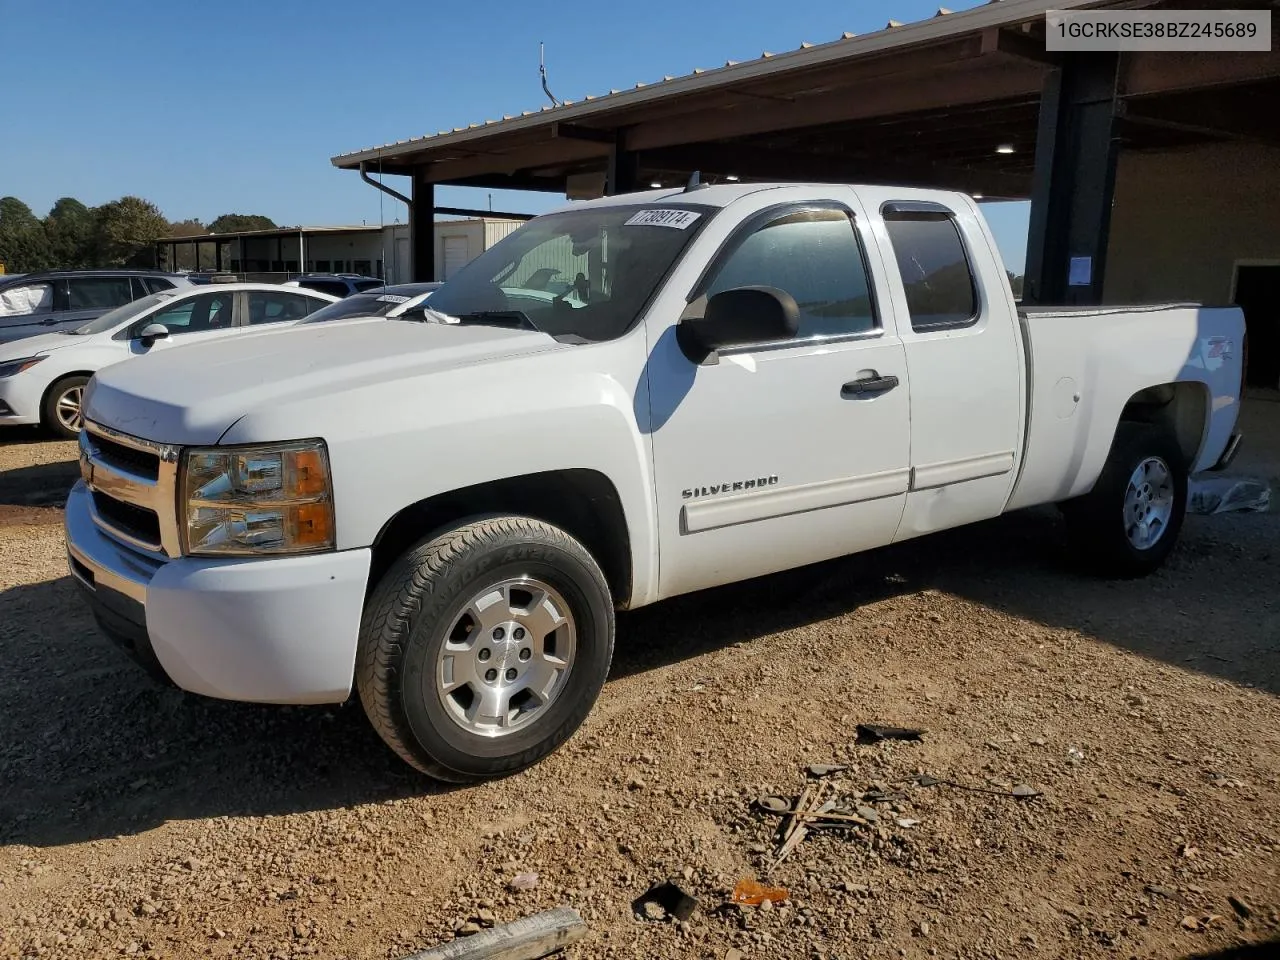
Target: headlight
<point>9,368</point>
<point>269,499</point>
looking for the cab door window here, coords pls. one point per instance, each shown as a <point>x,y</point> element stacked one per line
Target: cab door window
<point>814,254</point>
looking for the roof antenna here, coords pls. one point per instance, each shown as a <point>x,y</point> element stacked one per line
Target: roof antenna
<point>695,182</point>
<point>542,71</point>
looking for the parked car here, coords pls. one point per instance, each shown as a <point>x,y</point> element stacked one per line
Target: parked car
<point>53,300</point>
<point>447,514</point>
<point>390,302</point>
<point>42,378</point>
<point>337,284</point>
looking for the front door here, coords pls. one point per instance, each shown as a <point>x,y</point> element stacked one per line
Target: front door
<point>208,316</point>
<point>784,453</point>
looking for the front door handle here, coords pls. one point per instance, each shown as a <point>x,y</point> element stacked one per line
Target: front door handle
<point>868,386</point>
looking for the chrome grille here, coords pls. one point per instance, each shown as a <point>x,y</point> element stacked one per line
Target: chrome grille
<point>134,484</point>
<point>141,463</point>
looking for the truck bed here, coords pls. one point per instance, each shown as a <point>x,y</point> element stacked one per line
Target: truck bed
<point>1085,364</point>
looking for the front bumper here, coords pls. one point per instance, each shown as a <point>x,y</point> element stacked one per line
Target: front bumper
<point>20,397</point>
<point>271,630</point>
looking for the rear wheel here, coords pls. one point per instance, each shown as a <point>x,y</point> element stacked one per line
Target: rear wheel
<point>483,648</point>
<point>1129,523</point>
<point>62,414</point>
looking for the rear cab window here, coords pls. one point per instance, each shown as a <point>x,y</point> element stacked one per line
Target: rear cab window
<point>937,275</point>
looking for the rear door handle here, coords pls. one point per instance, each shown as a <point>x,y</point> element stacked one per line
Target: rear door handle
<point>868,386</point>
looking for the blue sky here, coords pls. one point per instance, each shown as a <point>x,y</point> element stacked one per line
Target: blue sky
<point>238,106</point>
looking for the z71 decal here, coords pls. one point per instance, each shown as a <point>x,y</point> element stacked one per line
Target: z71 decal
<point>719,489</point>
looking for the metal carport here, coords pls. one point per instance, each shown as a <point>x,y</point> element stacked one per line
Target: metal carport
<point>969,101</point>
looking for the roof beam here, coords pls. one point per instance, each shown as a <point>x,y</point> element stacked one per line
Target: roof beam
<point>1021,45</point>
<point>1225,122</point>
<point>944,87</point>
<point>573,131</point>
<point>516,161</point>
<point>757,164</point>
<point>1149,72</point>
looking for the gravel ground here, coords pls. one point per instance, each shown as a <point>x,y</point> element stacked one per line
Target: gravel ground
<point>137,821</point>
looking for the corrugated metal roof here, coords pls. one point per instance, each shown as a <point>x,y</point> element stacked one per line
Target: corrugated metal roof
<point>993,13</point>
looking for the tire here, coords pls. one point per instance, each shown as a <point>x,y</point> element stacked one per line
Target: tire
<point>424,625</point>
<point>54,410</point>
<point>1104,539</point>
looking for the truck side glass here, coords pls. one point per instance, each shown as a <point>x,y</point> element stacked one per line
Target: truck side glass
<point>814,255</point>
<point>936,275</point>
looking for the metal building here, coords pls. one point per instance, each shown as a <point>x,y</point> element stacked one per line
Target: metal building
<point>284,252</point>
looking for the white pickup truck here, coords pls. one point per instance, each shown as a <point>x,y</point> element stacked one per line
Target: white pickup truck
<point>447,508</point>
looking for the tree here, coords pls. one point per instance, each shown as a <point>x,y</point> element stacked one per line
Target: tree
<point>69,229</point>
<point>240,222</point>
<point>125,232</point>
<point>23,245</point>
<point>1015,283</point>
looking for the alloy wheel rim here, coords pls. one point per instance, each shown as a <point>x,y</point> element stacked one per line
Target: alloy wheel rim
<point>1148,503</point>
<point>507,657</point>
<point>68,409</point>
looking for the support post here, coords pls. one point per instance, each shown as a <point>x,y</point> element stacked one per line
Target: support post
<point>217,255</point>
<point>302,253</point>
<point>623,169</point>
<point>1074,182</point>
<point>422,232</point>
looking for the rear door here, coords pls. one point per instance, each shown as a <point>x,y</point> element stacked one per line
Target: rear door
<point>90,297</point>
<point>963,354</point>
<point>260,308</point>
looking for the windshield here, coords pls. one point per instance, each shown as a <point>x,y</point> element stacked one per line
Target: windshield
<point>579,274</point>
<point>362,305</point>
<point>114,318</point>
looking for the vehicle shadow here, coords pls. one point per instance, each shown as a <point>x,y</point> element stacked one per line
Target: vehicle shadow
<point>90,748</point>
<point>1202,611</point>
<point>39,485</point>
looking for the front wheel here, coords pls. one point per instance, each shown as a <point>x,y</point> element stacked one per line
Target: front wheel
<point>483,648</point>
<point>63,413</point>
<point>1129,523</point>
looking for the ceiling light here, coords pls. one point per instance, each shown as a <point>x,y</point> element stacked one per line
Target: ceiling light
<point>732,177</point>
<point>977,196</point>
<point>655,185</point>
<point>1005,148</point>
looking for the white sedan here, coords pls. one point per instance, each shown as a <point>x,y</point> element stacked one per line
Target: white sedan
<point>42,378</point>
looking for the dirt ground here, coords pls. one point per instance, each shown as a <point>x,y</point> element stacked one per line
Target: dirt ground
<point>137,821</point>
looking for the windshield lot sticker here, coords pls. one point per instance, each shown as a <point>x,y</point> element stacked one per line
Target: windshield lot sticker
<point>392,298</point>
<point>680,219</point>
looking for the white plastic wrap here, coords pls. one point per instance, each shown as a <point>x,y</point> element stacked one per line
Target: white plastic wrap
<point>1210,495</point>
<point>17,301</point>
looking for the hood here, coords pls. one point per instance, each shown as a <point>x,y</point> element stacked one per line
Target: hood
<point>30,346</point>
<point>192,394</point>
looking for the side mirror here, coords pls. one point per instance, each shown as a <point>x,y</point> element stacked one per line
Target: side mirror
<point>153,332</point>
<point>738,317</point>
